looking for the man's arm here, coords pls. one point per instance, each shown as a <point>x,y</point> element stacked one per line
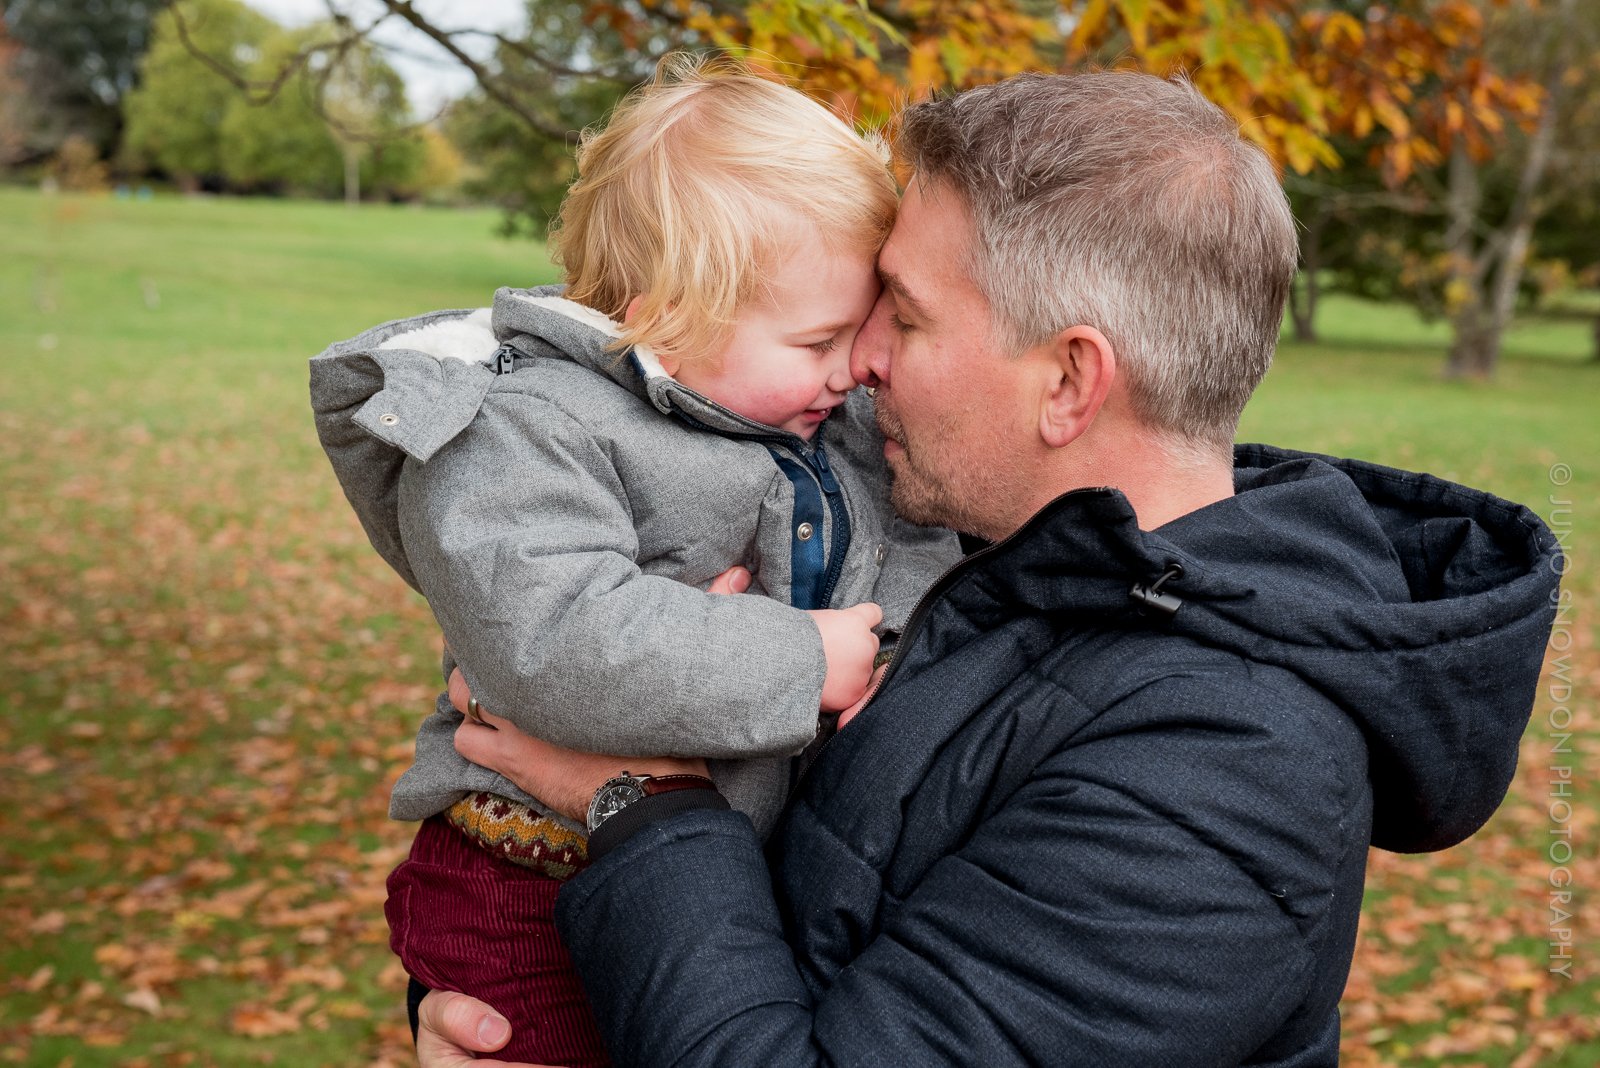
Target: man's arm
<point>1147,897</point>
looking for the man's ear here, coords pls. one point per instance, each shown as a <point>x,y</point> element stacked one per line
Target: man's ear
<point>1080,366</point>
<point>669,364</point>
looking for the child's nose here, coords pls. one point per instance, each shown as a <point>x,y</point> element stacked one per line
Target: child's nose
<point>840,380</point>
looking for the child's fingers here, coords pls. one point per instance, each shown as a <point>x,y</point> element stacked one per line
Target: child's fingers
<point>870,613</point>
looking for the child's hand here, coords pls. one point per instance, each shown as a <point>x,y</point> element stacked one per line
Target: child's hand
<point>849,646</point>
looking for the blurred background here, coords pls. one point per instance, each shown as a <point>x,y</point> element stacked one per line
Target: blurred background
<point>212,680</point>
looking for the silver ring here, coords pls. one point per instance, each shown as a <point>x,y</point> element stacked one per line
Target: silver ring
<point>474,712</point>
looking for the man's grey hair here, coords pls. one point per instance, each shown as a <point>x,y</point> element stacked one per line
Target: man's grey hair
<point>1130,204</point>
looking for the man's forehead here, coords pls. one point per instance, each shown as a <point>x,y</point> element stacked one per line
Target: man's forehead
<point>928,244</point>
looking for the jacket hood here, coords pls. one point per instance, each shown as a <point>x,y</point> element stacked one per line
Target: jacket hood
<point>1420,607</point>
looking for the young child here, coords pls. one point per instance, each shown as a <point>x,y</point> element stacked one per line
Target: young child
<point>564,474</point>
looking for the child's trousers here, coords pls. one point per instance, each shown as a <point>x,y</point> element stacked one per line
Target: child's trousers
<point>461,918</point>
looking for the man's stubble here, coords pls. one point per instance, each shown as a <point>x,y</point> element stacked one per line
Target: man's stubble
<point>934,482</point>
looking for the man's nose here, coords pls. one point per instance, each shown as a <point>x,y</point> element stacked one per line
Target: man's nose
<point>869,355</point>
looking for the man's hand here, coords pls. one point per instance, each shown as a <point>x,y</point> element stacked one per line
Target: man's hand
<point>849,646</point>
<point>734,580</point>
<point>451,1027</point>
<point>564,779</point>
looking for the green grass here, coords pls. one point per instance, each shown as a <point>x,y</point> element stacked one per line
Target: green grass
<point>213,679</point>
<point>1352,324</point>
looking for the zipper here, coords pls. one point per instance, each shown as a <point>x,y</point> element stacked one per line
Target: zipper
<point>919,613</point>
<point>913,621</point>
<point>841,521</point>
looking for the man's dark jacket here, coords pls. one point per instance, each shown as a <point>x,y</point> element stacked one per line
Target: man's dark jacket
<point>1073,829</point>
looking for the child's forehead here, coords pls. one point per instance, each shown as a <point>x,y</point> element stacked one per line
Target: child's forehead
<point>812,265</point>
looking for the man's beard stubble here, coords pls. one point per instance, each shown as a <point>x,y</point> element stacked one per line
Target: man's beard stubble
<point>917,495</point>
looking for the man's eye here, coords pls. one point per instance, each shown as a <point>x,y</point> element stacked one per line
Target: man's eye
<point>824,346</point>
<point>899,324</point>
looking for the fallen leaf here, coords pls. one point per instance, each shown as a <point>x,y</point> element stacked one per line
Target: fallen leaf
<point>144,999</point>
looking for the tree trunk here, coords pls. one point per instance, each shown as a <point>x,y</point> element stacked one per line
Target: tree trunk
<point>1495,270</point>
<point>1464,289</point>
<point>1306,289</point>
<point>352,175</point>
<point>1474,345</point>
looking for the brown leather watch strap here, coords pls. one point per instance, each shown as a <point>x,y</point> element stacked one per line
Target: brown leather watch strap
<point>661,784</point>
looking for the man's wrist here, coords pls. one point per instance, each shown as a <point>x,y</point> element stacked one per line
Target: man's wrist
<point>628,822</point>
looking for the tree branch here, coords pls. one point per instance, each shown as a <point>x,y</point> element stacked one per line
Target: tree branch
<point>257,92</point>
<point>486,78</point>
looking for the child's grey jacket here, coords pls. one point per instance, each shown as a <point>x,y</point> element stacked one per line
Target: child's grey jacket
<point>563,521</point>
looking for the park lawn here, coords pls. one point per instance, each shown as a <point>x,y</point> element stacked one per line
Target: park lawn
<point>214,680</point>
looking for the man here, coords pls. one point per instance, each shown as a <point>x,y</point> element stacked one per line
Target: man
<point>1112,802</point>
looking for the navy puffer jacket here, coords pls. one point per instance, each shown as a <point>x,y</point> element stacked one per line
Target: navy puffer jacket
<point>1074,829</point>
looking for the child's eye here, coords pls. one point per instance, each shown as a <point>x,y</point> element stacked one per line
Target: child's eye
<point>821,347</point>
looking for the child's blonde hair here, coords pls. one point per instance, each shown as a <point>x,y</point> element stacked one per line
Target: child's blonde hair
<point>690,195</point>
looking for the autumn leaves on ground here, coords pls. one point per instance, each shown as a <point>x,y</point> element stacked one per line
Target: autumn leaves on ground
<point>212,680</point>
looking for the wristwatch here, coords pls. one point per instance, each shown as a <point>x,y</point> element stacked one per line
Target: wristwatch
<point>617,794</point>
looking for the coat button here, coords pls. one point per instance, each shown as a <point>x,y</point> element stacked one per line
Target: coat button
<point>877,555</point>
<point>388,419</point>
<point>804,531</point>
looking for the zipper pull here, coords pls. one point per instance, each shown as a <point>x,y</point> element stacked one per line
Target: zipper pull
<point>1154,599</point>
<point>505,358</point>
<point>824,472</point>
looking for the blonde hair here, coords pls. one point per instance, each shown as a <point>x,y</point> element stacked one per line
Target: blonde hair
<point>693,191</point>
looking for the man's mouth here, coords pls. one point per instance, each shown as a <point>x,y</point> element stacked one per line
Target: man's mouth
<point>888,425</point>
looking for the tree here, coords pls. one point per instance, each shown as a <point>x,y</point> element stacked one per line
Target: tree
<point>1400,85</point>
<point>1486,250</point>
<point>1267,61</point>
<point>523,169</point>
<point>1453,230</point>
<point>364,102</point>
<point>175,116</point>
<point>78,59</point>
<point>15,118</point>
<point>289,140</point>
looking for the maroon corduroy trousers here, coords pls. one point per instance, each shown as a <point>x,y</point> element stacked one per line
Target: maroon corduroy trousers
<point>463,919</point>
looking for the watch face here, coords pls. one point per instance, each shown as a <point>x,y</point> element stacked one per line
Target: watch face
<point>612,798</point>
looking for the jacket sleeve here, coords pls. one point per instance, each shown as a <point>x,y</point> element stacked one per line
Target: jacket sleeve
<point>519,533</point>
<point>1146,897</point>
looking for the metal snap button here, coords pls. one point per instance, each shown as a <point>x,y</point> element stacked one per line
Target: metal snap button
<point>388,419</point>
<point>877,555</point>
<point>804,531</point>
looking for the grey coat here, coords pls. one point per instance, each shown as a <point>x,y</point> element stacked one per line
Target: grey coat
<point>564,520</point>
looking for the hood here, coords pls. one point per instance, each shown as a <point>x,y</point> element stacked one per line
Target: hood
<point>1420,607</point>
<point>541,323</point>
